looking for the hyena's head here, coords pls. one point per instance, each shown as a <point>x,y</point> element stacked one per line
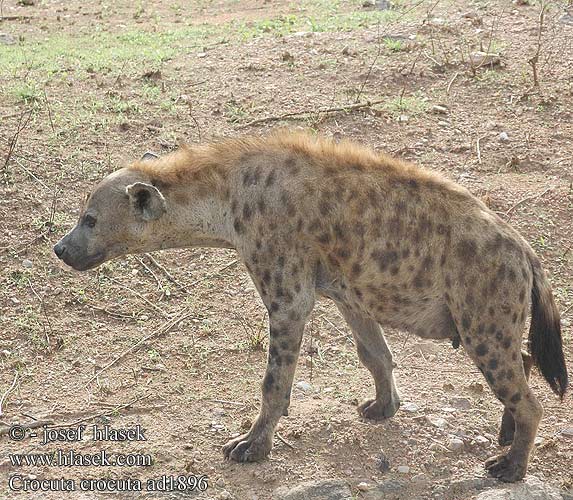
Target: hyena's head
<point>120,217</point>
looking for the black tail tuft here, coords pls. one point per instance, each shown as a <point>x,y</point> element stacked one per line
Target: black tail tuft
<point>545,344</point>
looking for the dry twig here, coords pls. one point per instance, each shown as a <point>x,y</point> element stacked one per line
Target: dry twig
<point>5,395</point>
<point>164,329</point>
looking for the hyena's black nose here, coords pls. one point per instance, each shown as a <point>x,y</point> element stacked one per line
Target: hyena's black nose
<point>59,249</point>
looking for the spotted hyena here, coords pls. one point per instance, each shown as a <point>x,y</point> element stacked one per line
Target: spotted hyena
<point>391,244</point>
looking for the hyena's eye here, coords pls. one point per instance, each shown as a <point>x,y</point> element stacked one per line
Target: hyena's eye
<point>90,220</point>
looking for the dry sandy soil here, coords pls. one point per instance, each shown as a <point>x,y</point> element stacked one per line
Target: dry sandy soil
<point>88,86</point>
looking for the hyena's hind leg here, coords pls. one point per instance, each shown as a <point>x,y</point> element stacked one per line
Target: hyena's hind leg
<point>507,429</point>
<point>375,355</point>
<point>496,352</point>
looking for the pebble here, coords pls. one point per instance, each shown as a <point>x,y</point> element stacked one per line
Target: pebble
<point>481,440</point>
<point>566,323</point>
<point>403,118</point>
<point>443,110</point>
<point>369,3</point>
<point>455,444</point>
<point>303,386</point>
<point>403,469</point>
<point>461,403</point>
<point>7,39</point>
<point>410,407</point>
<point>27,263</point>
<point>438,422</point>
<point>363,486</point>
<point>503,137</point>
<point>484,58</point>
<point>568,432</point>
<point>220,483</point>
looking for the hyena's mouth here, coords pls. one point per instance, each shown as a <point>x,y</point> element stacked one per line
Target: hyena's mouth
<point>86,263</point>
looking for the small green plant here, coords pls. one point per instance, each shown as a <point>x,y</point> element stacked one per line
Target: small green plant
<point>394,45</point>
<point>28,93</point>
<point>235,112</point>
<point>412,105</point>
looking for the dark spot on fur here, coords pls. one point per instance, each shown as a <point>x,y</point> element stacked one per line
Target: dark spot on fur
<point>506,343</point>
<point>297,288</point>
<point>239,226</point>
<point>481,329</point>
<point>268,382</point>
<point>514,318</point>
<point>261,206</point>
<point>274,306</point>
<point>466,321</point>
<point>466,250</point>
<point>502,393</point>
<point>493,363</point>
<point>356,269</point>
<point>509,374</point>
<point>270,178</point>
<point>491,311</point>
<point>522,295</point>
<point>247,212</point>
<point>481,349</point>
<point>515,398</point>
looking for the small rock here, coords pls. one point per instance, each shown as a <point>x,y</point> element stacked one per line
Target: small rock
<point>481,440</point>
<point>14,300</point>
<point>304,386</point>
<point>443,110</point>
<point>403,118</point>
<point>435,447</point>
<point>438,422</point>
<point>287,57</point>
<point>220,483</point>
<point>420,478</point>
<point>382,463</point>
<point>442,123</point>
<point>455,444</point>
<point>503,137</point>
<point>566,323</point>
<point>531,488</point>
<point>7,39</point>
<point>224,495</point>
<point>448,387</point>
<point>567,432</point>
<point>538,441</point>
<point>329,489</point>
<point>369,3</point>
<point>202,54</point>
<point>363,486</point>
<point>409,407</point>
<point>484,59</point>
<point>403,469</point>
<point>566,18</point>
<point>386,489</point>
<point>27,264</point>
<point>461,403</point>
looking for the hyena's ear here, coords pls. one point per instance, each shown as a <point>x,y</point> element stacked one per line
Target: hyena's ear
<point>146,201</point>
<point>149,156</point>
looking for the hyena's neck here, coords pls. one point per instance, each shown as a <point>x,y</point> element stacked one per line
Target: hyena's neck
<point>198,220</point>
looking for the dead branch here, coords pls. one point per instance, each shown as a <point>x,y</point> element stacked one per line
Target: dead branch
<point>527,198</point>
<point>535,59</point>
<point>164,329</point>
<point>306,113</point>
<point>106,413</point>
<point>137,294</point>
<point>216,273</point>
<point>5,395</point>
<point>43,307</point>
<point>284,441</point>
<point>169,276</point>
<point>22,124</point>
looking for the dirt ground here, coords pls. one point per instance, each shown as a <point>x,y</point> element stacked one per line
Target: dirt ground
<point>88,86</point>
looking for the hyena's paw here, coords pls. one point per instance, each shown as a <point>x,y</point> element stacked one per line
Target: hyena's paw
<point>375,409</point>
<point>248,448</point>
<point>505,469</point>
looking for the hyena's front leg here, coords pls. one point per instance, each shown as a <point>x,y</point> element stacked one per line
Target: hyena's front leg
<point>287,316</point>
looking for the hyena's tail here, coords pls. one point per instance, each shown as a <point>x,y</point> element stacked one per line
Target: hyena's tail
<point>545,344</point>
